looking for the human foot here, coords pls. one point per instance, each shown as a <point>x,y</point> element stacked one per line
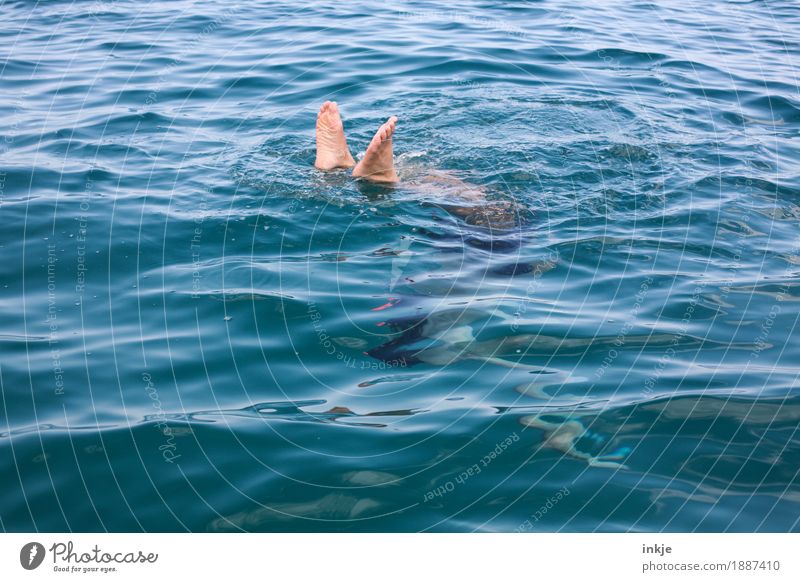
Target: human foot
<point>378,162</point>
<point>332,150</point>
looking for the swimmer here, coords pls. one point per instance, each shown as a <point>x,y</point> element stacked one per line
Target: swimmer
<point>440,188</point>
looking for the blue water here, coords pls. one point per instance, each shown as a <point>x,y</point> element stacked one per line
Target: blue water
<point>187,303</point>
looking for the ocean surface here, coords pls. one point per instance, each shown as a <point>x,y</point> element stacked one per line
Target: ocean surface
<point>201,332</point>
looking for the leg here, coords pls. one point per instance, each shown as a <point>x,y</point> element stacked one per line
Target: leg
<point>332,150</point>
<point>378,162</point>
<point>563,436</point>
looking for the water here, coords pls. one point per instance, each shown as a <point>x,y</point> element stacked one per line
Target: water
<point>187,303</point>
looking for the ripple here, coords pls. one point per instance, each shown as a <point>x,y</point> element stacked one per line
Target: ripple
<point>178,277</point>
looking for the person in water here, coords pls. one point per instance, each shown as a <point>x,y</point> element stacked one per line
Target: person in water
<point>441,338</point>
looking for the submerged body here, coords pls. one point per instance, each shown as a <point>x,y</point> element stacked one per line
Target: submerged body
<point>446,336</point>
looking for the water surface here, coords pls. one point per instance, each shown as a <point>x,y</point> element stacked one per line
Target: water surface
<point>187,304</point>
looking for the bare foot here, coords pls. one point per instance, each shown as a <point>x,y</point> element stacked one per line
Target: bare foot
<point>332,150</point>
<point>378,162</point>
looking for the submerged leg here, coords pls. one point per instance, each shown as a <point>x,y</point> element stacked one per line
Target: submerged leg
<point>378,162</point>
<point>332,150</point>
<point>563,437</point>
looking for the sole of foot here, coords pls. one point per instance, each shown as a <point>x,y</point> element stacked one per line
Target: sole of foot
<point>378,162</point>
<point>332,150</point>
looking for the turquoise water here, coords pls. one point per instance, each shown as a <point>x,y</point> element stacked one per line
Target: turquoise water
<point>187,303</point>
